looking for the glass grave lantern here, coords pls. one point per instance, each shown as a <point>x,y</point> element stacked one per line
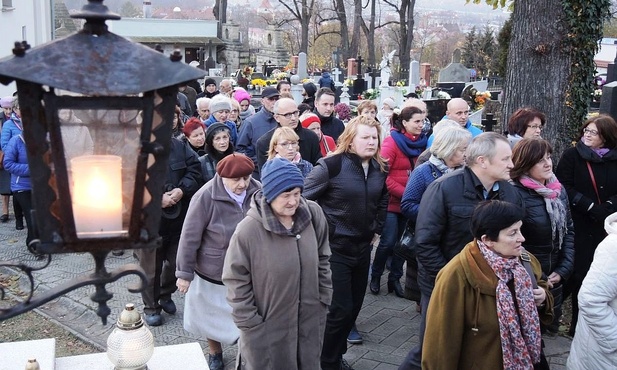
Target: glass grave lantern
<point>97,112</point>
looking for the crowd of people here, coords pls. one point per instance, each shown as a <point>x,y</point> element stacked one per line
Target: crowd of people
<point>271,215</point>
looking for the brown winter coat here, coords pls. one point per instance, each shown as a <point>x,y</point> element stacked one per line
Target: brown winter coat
<point>462,330</point>
<point>279,288</point>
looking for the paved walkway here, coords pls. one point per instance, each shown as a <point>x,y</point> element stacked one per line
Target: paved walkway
<point>388,324</point>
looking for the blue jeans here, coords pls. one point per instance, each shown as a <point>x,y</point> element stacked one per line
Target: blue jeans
<point>392,231</point>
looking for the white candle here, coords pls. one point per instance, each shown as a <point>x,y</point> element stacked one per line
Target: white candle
<point>97,195</point>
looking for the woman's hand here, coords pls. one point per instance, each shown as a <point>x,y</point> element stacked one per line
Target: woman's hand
<point>183,285</point>
<point>553,279</point>
<point>539,295</point>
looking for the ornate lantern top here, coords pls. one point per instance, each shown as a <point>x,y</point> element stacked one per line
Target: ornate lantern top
<point>96,62</point>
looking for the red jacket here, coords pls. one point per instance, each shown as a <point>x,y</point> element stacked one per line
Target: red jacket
<point>329,141</point>
<point>400,168</point>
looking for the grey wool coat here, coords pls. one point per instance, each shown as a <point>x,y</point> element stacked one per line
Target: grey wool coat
<point>279,287</point>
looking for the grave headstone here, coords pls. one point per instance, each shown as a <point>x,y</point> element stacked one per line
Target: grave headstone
<point>369,81</point>
<point>608,103</point>
<point>296,89</point>
<point>488,122</point>
<point>345,95</point>
<point>336,76</point>
<point>414,74</point>
<point>302,69</point>
<point>352,67</point>
<point>359,84</point>
<point>425,74</point>
<point>294,62</point>
<point>455,71</point>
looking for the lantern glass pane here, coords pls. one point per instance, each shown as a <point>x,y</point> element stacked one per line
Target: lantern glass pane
<point>101,149</point>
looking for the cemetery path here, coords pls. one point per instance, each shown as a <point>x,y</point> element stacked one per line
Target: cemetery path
<point>388,324</point>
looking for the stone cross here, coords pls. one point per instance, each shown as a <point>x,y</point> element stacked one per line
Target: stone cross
<point>336,73</point>
<point>489,122</point>
<point>210,63</point>
<point>359,60</point>
<point>302,69</point>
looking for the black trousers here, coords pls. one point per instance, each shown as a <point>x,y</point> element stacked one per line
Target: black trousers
<point>22,200</point>
<point>160,268</point>
<point>413,361</point>
<point>349,280</point>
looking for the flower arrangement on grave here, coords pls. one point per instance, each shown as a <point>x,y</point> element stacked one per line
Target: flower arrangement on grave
<point>279,76</point>
<point>597,95</point>
<point>343,111</point>
<point>305,80</point>
<point>481,98</point>
<point>370,94</point>
<point>348,82</point>
<point>258,82</point>
<point>443,95</point>
<point>420,90</point>
<point>401,83</point>
<point>247,72</point>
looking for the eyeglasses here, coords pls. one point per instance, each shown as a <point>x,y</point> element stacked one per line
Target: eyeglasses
<point>290,144</point>
<point>590,132</point>
<point>536,127</point>
<point>290,114</point>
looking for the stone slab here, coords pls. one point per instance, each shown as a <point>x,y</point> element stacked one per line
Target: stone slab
<point>187,356</point>
<point>15,355</point>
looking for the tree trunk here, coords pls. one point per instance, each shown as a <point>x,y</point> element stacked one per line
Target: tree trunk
<point>406,25</point>
<point>342,16</point>
<point>304,26</point>
<point>370,36</point>
<point>355,33</point>
<point>538,68</point>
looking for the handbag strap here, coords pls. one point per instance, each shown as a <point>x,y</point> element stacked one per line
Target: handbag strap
<point>593,181</point>
<point>526,260</point>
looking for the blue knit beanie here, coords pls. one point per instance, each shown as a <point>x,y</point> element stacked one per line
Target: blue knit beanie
<point>279,175</point>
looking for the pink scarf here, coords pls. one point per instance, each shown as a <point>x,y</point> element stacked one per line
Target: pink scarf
<point>520,331</point>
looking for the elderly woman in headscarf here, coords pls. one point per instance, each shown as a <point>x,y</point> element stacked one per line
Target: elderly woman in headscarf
<point>488,301</point>
<point>277,274</point>
<point>213,214</point>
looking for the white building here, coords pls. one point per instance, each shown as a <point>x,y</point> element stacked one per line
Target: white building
<point>29,20</point>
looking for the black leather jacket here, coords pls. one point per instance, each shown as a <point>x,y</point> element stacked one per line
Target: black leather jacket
<point>443,225</point>
<point>538,234</point>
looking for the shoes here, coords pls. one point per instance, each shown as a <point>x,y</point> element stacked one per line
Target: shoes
<point>154,319</point>
<point>117,253</point>
<point>215,362</point>
<point>418,307</point>
<point>354,337</point>
<point>395,286</point>
<point>168,306</point>
<point>374,284</point>
<point>4,218</point>
<point>19,224</point>
<point>345,365</point>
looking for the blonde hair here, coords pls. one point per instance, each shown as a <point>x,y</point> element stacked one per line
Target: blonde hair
<point>343,144</point>
<point>281,134</point>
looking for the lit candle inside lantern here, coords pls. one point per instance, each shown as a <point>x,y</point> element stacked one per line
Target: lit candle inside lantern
<point>97,195</point>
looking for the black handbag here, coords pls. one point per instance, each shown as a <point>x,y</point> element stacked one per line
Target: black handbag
<point>406,246</point>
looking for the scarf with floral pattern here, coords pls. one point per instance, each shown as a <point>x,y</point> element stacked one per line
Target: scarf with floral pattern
<point>520,331</point>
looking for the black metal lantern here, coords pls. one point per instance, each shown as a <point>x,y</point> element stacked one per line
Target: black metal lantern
<point>97,113</point>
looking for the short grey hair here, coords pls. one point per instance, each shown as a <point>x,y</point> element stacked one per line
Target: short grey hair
<point>483,145</point>
<point>275,109</point>
<point>448,140</point>
<point>446,122</point>
<point>202,100</point>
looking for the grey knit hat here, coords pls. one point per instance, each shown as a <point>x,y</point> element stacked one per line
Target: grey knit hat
<point>219,103</point>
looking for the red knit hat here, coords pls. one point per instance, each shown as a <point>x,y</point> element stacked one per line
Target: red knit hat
<point>310,119</point>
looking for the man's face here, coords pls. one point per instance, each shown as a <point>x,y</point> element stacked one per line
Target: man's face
<point>498,167</point>
<point>268,103</point>
<point>225,87</point>
<point>287,113</point>
<point>204,111</point>
<point>285,88</point>
<point>325,105</point>
<point>459,112</point>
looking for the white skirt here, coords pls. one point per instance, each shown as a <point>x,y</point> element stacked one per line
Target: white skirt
<point>207,313</point>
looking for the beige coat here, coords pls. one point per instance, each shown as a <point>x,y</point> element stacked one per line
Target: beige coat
<point>279,288</point>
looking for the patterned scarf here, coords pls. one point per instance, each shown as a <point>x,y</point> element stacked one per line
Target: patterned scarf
<point>441,165</point>
<point>520,331</point>
<point>554,206</point>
